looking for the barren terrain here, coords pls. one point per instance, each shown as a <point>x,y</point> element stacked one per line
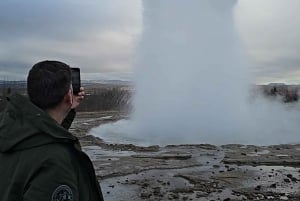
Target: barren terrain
<point>189,172</point>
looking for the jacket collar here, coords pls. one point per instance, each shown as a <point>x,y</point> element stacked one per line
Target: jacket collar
<point>22,120</point>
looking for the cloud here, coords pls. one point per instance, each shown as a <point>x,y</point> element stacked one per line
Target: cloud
<point>270,30</point>
<point>98,36</point>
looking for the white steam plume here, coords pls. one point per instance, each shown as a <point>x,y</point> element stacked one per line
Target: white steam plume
<point>192,82</point>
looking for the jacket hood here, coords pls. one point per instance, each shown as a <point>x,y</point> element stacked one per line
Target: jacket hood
<point>24,125</point>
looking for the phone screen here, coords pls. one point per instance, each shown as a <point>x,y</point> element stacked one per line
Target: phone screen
<point>76,84</point>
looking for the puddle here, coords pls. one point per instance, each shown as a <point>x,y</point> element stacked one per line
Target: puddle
<point>263,152</point>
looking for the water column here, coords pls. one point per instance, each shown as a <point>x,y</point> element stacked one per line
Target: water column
<point>190,76</point>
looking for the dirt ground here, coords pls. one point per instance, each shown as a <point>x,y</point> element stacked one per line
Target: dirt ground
<point>189,172</point>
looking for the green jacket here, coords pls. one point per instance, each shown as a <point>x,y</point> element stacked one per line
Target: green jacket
<point>40,160</point>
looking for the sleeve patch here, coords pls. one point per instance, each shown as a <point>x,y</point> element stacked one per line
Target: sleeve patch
<point>62,193</point>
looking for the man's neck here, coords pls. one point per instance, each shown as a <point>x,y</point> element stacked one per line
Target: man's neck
<point>57,115</point>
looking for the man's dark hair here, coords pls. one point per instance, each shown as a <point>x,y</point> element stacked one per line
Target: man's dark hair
<point>48,82</point>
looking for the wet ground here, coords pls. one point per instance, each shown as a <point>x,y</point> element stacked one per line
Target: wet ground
<point>189,172</point>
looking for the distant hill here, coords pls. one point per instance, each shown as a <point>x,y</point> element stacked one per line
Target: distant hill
<point>12,84</point>
<point>106,82</point>
<point>23,83</point>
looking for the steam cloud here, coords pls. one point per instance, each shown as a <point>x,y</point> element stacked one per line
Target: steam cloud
<point>192,82</point>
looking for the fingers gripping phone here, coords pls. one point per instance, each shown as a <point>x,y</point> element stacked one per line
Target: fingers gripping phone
<point>76,83</point>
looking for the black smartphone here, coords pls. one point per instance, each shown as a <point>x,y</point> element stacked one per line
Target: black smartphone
<point>76,83</point>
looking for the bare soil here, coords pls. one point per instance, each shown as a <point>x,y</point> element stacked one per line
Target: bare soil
<point>189,172</point>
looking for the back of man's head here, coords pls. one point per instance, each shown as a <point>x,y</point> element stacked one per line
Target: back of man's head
<point>48,82</point>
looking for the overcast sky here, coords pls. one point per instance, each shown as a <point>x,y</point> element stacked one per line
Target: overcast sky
<point>270,30</point>
<point>100,35</point>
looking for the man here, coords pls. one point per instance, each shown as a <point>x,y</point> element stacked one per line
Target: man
<point>39,159</point>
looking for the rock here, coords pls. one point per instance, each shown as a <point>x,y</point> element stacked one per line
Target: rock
<point>294,179</point>
<point>166,156</point>
<point>172,196</point>
<point>201,194</point>
<point>230,169</point>
<point>257,188</point>
<point>145,195</point>
<point>145,185</point>
<point>156,190</point>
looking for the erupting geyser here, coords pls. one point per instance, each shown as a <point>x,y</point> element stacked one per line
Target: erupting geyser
<point>191,77</point>
<point>192,81</point>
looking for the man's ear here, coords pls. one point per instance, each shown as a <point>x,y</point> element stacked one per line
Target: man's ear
<point>69,97</point>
